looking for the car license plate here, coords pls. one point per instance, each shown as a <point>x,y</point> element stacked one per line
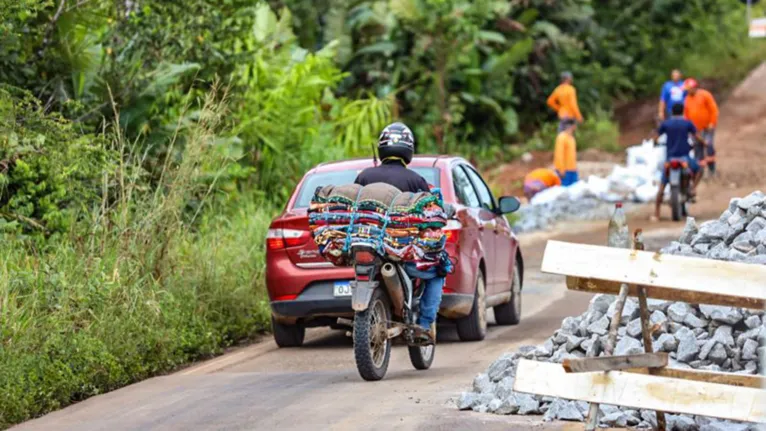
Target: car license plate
<point>342,289</point>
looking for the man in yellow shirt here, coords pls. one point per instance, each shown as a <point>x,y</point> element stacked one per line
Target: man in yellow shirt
<point>539,180</point>
<point>565,154</point>
<point>563,100</point>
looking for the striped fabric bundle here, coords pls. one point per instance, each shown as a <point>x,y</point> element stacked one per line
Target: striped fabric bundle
<point>406,227</point>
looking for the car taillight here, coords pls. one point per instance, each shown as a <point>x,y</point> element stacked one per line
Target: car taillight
<point>278,239</point>
<point>452,231</point>
<point>294,238</point>
<point>285,297</point>
<point>274,240</point>
<point>364,257</point>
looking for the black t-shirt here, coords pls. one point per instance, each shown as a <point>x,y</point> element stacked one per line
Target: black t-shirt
<point>395,174</point>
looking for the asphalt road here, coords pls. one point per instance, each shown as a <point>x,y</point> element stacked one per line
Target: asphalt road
<point>317,386</point>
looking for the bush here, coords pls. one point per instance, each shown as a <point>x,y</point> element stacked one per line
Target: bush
<point>48,170</point>
<point>144,286</point>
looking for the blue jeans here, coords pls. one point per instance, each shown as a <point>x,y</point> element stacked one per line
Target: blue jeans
<point>568,178</point>
<point>432,295</point>
<point>694,166</point>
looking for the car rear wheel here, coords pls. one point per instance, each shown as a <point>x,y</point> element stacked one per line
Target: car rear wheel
<point>287,335</point>
<point>510,312</point>
<point>474,326</point>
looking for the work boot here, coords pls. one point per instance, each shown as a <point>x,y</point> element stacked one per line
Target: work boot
<point>423,336</point>
<point>432,332</point>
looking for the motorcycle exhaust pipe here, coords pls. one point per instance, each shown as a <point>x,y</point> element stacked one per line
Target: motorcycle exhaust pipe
<point>394,287</point>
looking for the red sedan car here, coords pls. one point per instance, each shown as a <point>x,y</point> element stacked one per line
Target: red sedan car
<point>306,291</point>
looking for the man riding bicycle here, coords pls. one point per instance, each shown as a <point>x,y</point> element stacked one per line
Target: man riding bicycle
<point>677,130</point>
<point>396,146</point>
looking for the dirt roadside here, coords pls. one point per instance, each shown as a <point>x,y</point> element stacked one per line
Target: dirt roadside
<point>317,387</point>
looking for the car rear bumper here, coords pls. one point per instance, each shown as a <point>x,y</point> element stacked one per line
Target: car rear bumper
<point>316,300</point>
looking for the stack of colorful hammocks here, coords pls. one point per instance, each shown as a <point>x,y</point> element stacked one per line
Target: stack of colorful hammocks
<point>403,226</point>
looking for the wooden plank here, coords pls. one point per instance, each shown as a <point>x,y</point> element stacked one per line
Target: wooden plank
<point>590,285</point>
<point>703,281</point>
<point>643,392</point>
<point>646,332</point>
<point>613,363</point>
<point>742,380</point>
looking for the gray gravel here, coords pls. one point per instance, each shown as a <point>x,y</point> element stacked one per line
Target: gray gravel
<point>543,216</point>
<point>706,337</point>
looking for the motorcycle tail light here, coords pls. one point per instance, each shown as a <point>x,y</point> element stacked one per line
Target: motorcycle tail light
<point>675,164</point>
<point>364,257</point>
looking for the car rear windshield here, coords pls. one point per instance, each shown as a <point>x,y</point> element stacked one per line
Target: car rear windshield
<point>339,178</point>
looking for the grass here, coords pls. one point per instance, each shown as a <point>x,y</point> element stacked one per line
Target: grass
<point>141,287</point>
<point>721,62</point>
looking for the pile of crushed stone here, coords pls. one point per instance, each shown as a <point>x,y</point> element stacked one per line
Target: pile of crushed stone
<point>704,337</point>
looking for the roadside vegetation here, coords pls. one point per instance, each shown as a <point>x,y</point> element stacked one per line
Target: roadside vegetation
<point>145,146</point>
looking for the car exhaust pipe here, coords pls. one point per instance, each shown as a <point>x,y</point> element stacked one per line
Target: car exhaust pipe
<point>394,287</point>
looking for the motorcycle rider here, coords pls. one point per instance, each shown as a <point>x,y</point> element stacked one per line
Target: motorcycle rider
<point>677,130</point>
<point>396,146</point>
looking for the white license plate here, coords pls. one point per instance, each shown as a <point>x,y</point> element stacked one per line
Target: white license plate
<point>342,289</point>
<point>675,177</point>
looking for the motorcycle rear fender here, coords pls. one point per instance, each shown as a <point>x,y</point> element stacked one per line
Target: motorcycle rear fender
<point>675,177</point>
<point>361,293</point>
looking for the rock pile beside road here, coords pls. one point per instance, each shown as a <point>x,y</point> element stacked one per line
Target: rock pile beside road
<point>542,216</point>
<point>703,337</point>
<point>738,235</point>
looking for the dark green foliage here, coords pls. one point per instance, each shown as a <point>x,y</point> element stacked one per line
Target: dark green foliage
<point>48,170</point>
<point>144,149</point>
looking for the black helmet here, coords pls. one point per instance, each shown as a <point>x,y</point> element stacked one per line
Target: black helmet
<point>396,141</point>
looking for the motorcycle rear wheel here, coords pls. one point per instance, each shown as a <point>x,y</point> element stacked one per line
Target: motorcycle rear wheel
<point>422,357</point>
<point>372,347</point>
<point>675,202</point>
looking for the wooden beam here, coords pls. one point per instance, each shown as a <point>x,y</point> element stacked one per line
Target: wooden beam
<point>742,380</point>
<point>643,392</point>
<point>591,285</point>
<point>613,363</point>
<point>703,281</point>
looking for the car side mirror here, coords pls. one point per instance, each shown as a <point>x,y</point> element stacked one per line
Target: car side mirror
<point>508,204</point>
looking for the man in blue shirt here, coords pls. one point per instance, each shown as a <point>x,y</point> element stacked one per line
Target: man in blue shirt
<point>677,131</point>
<point>672,92</point>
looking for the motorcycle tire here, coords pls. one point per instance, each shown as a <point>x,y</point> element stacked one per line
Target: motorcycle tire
<point>675,202</point>
<point>372,347</point>
<point>422,357</point>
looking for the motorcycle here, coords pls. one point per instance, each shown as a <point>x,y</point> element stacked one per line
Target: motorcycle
<point>679,179</point>
<point>386,302</point>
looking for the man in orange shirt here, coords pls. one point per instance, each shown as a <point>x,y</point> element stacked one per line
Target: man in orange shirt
<point>700,108</point>
<point>563,100</point>
<point>539,180</point>
<point>565,154</point>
